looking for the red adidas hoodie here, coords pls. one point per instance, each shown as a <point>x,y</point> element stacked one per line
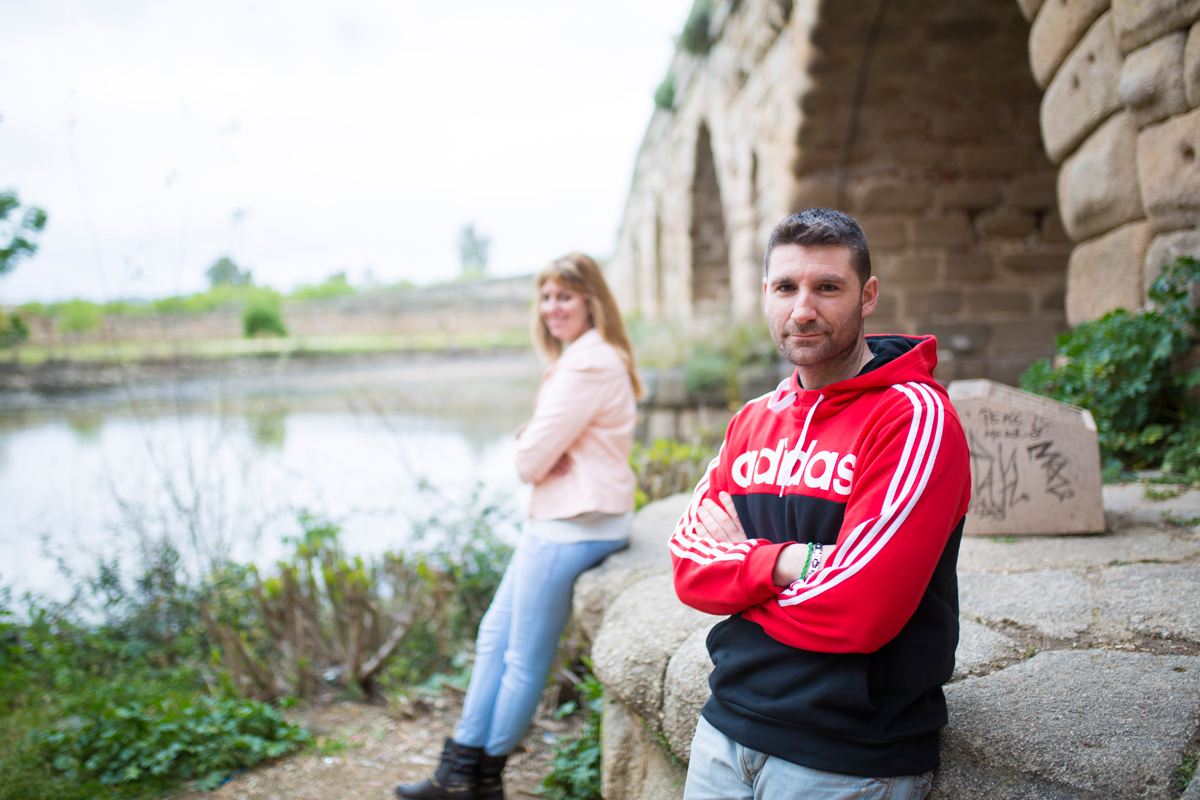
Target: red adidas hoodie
<point>840,671</point>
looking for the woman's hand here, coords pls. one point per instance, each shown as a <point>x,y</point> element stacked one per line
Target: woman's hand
<point>562,466</point>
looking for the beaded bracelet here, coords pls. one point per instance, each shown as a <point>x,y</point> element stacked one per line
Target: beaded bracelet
<point>807,561</point>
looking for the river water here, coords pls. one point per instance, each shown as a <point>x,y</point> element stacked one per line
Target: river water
<point>223,465</point>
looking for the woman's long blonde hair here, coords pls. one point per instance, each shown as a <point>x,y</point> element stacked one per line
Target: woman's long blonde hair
<point>581,274</point>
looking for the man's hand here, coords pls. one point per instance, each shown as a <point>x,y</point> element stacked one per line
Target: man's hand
<point>790,564</point>
<point>719,523</point>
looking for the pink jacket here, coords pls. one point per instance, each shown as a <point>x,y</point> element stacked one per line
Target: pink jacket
<point>585,407</point>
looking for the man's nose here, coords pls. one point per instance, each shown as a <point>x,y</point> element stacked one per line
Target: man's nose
<point>802,309</point>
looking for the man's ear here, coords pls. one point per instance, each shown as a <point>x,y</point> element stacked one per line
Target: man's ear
<point>870,296</point>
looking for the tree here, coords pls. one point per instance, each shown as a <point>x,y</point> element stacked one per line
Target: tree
<point>17,241</point>
<point>19,234</point>
<point>224,271</point>
<point>473,251</point>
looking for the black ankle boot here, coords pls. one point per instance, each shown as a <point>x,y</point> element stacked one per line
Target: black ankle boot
<point>491,787</point>
<point>454,778</point>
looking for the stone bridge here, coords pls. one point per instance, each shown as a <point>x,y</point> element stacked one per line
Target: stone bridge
<point>1018,165</point>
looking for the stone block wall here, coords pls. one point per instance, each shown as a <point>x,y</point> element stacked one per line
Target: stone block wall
<point>1018,166</point>
<point>1118,119</point>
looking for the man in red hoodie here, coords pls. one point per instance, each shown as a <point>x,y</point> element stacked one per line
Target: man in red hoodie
<point>828,526</point>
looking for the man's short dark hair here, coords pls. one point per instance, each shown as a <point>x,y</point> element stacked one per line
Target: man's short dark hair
<point>823,226</point>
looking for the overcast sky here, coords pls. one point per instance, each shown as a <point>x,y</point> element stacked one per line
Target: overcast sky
<point>305,138</point>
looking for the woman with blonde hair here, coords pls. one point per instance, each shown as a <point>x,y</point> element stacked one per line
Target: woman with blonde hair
<point>575,452</point>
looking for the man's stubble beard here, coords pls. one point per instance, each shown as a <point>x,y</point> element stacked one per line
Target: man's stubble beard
<point>828,351</point>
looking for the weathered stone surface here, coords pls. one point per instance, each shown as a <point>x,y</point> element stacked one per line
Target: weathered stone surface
<point>1058,603</point>
<point>1056,30</point>
<point>951,230</point>
<point>1127,507</point>
<point>1043,261</point>
<point>1106,273</point>
<point>1083,92</point>
<point>1151,84</point>
<point>631,651</point>
<point>1052,229</point>
<point>1191,66</point>
<point>969,266</point>
<point>647,554</point>
<point>1098,185</point>
<point>925,303</point>
<point>1025,336</point>
<point>1165,248</point>
<point>1029,8</point>
<point>632,765</point>
<point>1034,192</point>
<point>884,232</point>
<point>1070,725</point>
<point>994,159</point>
<point>1011,554</point>
<point>686,691</point>
<point>1007,223</point>
<point>896,197</point>
<point>1158,600</point>
<point>1139,22</point>
<point>1035,463</point>
<point>1169,172</point>
<point>1116,604</point>
<point>979,647</point>
<point>998,300</point>
<point>971,195</point>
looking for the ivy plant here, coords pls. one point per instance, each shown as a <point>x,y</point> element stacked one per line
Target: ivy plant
<point>1123,368</point>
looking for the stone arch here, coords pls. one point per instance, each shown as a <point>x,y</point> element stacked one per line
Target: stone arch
<point>937,151</point>
<point>709,240</point>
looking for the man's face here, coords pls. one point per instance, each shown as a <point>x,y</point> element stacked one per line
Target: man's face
<point>815,305</point>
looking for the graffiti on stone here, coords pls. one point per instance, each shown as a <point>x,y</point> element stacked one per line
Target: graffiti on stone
<point>1008,451</point>
<point>1053,463</point>
<point>1035,463</point>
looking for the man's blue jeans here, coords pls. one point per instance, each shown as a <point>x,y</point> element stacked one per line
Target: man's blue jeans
<point>518,638</point>
<point>721,769</point>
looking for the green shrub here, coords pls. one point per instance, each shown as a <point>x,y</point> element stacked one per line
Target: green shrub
<point>333,286</point>
<point>664,95</point>
<point>263,314</point>
<point>694,38</point>
<point>575,767</point>
<point>706,371</point>
<point>668,467</point>
<point>1120,368</point>
<point>118,740</point>
<point>13,330</point>
<point>76,316</point>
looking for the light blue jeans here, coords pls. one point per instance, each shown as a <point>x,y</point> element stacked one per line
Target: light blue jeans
<point>721,769</point>
<point>518,638</point>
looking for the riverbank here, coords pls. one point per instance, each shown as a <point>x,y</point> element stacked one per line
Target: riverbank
<point>21,382</point>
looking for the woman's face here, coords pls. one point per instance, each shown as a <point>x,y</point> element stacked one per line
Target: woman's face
<point>564,311</point>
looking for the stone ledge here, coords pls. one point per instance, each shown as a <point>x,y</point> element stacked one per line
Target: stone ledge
<point>1062,723</point>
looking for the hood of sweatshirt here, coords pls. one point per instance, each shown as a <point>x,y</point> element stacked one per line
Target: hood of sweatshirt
<point>897,359</point>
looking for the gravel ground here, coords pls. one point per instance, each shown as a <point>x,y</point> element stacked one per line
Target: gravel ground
<point>363,752</point>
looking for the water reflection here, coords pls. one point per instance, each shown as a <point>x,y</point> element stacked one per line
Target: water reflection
<point>222,465</point>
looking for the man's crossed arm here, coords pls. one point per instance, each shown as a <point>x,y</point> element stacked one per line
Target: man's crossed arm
<point>723,525</point>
